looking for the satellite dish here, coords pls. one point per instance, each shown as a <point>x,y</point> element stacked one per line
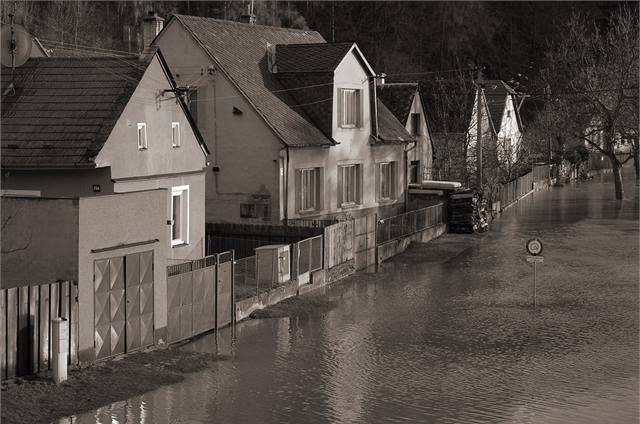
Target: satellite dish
<point>15,45</point>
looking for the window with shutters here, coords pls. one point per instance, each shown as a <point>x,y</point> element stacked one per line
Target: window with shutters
<point>349,185</point>
<point>142,136</point>
<point>309,190</point>
<point>349,108</point>
<point>179,215</point>
<point>386,181</point>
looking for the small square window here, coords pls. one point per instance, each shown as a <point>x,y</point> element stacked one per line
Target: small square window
<point>142,136</point>
<point>175,134</point>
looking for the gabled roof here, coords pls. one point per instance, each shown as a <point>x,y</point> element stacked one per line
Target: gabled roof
<point>239,50</point>
<point>63,110</point>
<point>390,130</point>
<point>398,97</point>
<point>496,93</point>
<point>311,57</point>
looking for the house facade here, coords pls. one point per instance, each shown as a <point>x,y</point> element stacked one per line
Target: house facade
<point>295,120</point>
<point>109,142</point>
<point>405,102</point>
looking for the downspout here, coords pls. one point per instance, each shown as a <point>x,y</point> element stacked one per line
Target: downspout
<point>286,187</point>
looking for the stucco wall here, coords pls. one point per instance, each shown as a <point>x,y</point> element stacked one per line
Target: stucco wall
<point>109,221</point>
<point>158,111</point>
<point>59,183</point>
<point>423,151</point>
<point>195,248</point>
<point>243,147</point>
<point>44,234</point>
<point>353,147</point>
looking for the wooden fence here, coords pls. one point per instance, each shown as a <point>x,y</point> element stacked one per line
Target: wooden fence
<point>338,243</point>
<point>25,326</point>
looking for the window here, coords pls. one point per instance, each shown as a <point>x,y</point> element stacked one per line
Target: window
<point>142,136</point>
<point>508,113</point>
<point>415,123</point>
<point>386,180</point>
<point>193,104</point>
<point>414,171</point>
<point>253,210</point>
<point>175,134</point>
<point>349,185</point>
<point>349,110</point>
<point>179,215</point>
<point>308,187</point>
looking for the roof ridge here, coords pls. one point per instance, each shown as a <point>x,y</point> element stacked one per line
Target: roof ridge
<point>226,21</point>
<point>350,43</point>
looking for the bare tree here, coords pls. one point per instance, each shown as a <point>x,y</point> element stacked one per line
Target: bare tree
<point>593,75</point>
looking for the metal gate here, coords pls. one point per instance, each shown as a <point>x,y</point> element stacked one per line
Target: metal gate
<point>123,303</point>
<point>199,296</point>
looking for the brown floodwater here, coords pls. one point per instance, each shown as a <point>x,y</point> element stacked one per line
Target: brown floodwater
<point>445,333</point>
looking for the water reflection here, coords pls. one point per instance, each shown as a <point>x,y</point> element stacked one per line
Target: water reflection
<point>448,340</point>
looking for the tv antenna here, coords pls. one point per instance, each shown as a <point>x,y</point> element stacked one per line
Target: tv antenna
<point>15,48</point>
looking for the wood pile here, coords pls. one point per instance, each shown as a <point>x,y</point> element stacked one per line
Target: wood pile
<point>463,211</point>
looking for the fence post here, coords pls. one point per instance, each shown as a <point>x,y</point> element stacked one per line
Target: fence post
<point>60,333</point>
<point>233,283</point>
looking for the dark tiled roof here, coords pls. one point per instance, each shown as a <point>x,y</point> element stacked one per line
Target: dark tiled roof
<point>316,57</point>
<point>240,51</point>
<point>64,109</point>
<point>496,93</point>
<point>398,97</point>
<point>390,130</point>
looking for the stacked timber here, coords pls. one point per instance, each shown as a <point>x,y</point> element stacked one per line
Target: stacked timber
<point>463,206</point>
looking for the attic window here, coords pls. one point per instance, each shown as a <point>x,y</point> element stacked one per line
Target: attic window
<point>175,134</point>
<point>236,111</point>
<point>142,136</point>
<point>415,123</point>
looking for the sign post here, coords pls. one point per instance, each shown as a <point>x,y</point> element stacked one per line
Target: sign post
<point>534,247</point>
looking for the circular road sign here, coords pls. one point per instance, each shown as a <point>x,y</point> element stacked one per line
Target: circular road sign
<point>534,246</point>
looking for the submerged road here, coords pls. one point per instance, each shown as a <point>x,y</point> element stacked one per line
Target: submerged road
<point>445,333</point>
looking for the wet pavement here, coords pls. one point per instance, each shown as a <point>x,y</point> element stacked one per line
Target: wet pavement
<point>444,333</point>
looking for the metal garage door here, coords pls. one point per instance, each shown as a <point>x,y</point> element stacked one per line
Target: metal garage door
<point>123,305</point>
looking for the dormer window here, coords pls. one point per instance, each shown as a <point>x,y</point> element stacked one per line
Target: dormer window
<point>349,108</point>
<point>142,136</point>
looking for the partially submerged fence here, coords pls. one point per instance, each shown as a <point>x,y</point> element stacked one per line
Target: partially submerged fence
<point>307,257</point>
<point>25,326</point>
<point>199,296</point>
<point>409,223</point>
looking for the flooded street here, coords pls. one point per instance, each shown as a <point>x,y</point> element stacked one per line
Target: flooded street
<point>444,333</point>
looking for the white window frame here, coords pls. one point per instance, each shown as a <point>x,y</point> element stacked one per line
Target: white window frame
<point>354,173</point>
<point>308,195</point>
<point>345,108</point>
<point>142,142</point>
<point>175,142</point>
<point>383,169</point>
<point>183,192</point>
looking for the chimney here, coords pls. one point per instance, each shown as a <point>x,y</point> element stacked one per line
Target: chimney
<point>151,26</point>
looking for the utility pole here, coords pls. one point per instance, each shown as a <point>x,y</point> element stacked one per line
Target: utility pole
<point>480,95</point>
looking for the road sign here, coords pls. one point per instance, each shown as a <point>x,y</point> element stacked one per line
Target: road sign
<point>535,259</point>
<point>534,246</point>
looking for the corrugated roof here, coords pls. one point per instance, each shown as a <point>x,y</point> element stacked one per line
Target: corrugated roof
<point>63,109</point>
<point>398,98</point>
<point>310,57</point>
<point>240,51</point>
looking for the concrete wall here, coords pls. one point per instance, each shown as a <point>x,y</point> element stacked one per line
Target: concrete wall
<point>44,234</point>
<point>120,219</point>
<point>195,249</point>
<point>158,111</point>
<point>243,147</point>
<point>395,247</point>
<point>59,183</point>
